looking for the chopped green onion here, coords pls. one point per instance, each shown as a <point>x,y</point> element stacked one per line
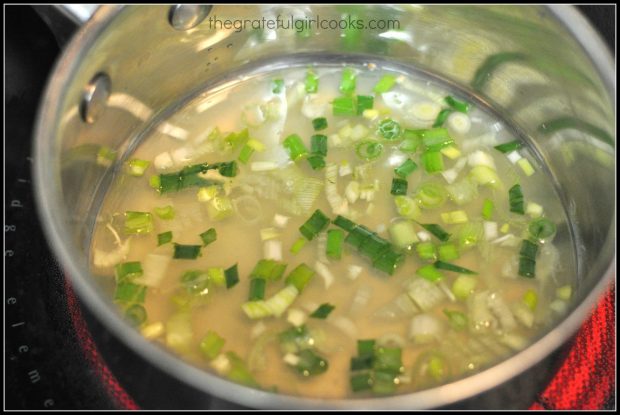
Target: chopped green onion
<point>383,383</point>
<point>220,207</point>
<point>190,176</point>
<point>316,224</point>
<point>344,106</point>
<point>541,229</point>
<point>232,276</point>
<point>239,372</point>
<point>257,289</point>
<point>432,161</point>
<point>310,363</point>
<point>295,339</point>
<point>565,292</point>
<point>373,246</point>
<point>312,82</point>
<point>361,362</point>
<point>347,83</point>
<point>335,237</point>
<point>208,236</point>
<point>217,276</point>
<point>295,147</point>
<point>316,161</point>
<point>155,182</point>
<point>268,269</point>
<point>484,175</point>
<point>105,156</point>
<point>529,249</point>
<point>281,300</point>
<point>211,345</point>
<point>436,139</point>
<point>389,129</point>
<point>487,209</point>
<point>257,309</point>
<point>318,144</point>
<point>456,104</point>
<point>426,251</point>
<point>323,311</point>
<point>437,231</point>
<point>407,207</point>
<point>430,273</point>
<point>344,223</point>
<point>364,102</point>
<point>136,314</point>
<point>412,139</point>
<point>388,261</point>
<point>406,168</point>
<point>458,320</point>
<point>470,234</point>
<point>454,268</point>
<point>298,245</point>
<point>245,154</point>
<point>385,84</point>
<point>129,293</point>
<point>369,150</point>
<point>361,382</point>
<point>164,238</point>
<point>454,217</point>
<point>319,124</point>
<point>228,169</point>
<point>448,252</point>
<point>527,267</point>
<point>300,277</point>
<point>232,141</point>
<point>403,234</point>
<point>128,271</point>
<point>388,360</point>
<point>137,223</point>
<point>442,117</point>
<point>196,282</point>
<point>277,85</point>
<point>399,186</point>
<point>526,166</point>
<point>515,196</point>
<point>431,195</point>
<point>186,251</point>
<point>166,212</point>
<point>137,167</point>
<point>463,286</point>
<point>366,347</point>
<point>509,147</point>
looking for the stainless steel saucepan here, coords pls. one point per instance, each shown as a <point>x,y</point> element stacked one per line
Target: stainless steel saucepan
<point>544,69</point>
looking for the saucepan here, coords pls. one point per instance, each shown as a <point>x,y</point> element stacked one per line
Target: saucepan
<point>543,68</point>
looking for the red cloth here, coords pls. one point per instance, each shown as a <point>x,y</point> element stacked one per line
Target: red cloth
<point>585,380</point>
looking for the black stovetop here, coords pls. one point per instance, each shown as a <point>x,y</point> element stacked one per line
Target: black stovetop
<point>45,363</point>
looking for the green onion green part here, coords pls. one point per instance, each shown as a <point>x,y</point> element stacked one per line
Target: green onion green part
<point>232,276</point>
<point>389,129</point>
<point>312,82</point>
<point>127,271</point>
<point>432,161</point>
<point>437,231</point>
<point>456,104</point>
<point>277,86</point>
<point>364,102</point>
<point>209,236</point>
<point>137,167</point>
<point>406,168</point>
<point>541,229</point>
<point>515,197</point>
<point>509,147</point>
<point>323,311</point>
<point>300,277</point>
<point>211,345</point>
<point>138,223</point>
<point>487,209</point>
<point>318,144</point>
<point>385,84</point>
<point>458,320</point>
<point>268,269</point>
<point>399,186</point>
<point>319,123</point>
<point>442,117</point>
<point>295,147</point>
<point>316,224</point>
<point>335,237</point>
<point>430,273</point>
<point>164,238</point>
<point>257,289</point>
<point>344,106</point>
<point>186,251</point>
<point>454,268</point>
<point>347,83</point>
<point>369,150</point>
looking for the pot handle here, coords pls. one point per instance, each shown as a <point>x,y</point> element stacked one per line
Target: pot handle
<point>64,19</point>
